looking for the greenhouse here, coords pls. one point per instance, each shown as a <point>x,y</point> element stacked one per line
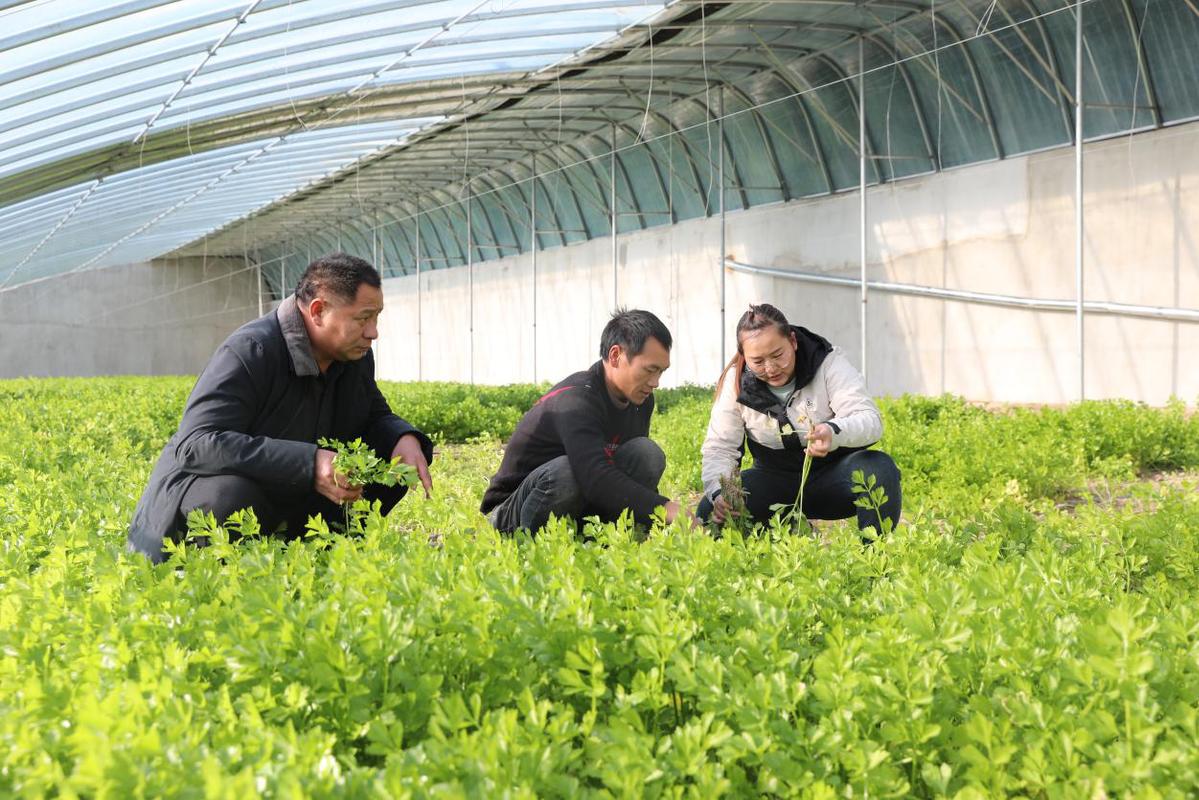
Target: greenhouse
<point>988,210</point>
<point>177,165</point>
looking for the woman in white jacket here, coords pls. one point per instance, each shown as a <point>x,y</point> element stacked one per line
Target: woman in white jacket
<point>790,395</point>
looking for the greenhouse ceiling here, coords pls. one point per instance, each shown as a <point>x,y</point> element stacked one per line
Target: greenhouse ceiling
<point>138,129</point>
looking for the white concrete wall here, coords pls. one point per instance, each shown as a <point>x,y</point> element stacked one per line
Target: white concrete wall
<point>1004,227</point>
<point>141,319</point>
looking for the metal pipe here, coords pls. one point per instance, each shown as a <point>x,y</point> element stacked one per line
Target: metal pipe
<point>723,245</point>
<point>261,311</point>
<point>862,189</point>
<point>533,249</point>
<point>420,294</point>
<point>1080,304</point>
<point>375,246</point>
<point>470,279</point>
<point>615,216</point>
<point>982,298</point>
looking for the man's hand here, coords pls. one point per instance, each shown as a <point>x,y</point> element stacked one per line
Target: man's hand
<point>408,450</point>
<point>720,510</point>
<point>820,440</point>
<point>333,485</point>
<point>673,509</point>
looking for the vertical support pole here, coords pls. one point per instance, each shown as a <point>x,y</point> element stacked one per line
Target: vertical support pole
<point>1079,228</point>
<point>420,310</point>
<point>375,246</point>
<point>862,187</point>
<point>723,247</point>
<point>533,250</point>
<point>374,225</point>
<point>612,206</point>
<point>470,279</point>
<point>261,309</point>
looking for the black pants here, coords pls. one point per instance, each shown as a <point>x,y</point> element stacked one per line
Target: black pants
<point>553,489</point>
<point>829,492</point>
<point>223,494</point>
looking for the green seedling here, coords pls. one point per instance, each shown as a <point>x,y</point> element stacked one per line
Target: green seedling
<point>358,463</point>
<point>360,466</point>
<point>792,514</point>
<point>734,497</point>
<point>872,496</point>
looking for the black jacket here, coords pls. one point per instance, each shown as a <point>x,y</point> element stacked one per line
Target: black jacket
<point>257,410</point>
<point>578,419</point>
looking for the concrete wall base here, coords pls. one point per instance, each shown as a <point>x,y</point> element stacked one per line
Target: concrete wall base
<point>161,318</point>
<point>1004,227</point>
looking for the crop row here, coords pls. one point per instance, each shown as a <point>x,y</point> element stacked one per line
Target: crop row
<point>1030,630</point>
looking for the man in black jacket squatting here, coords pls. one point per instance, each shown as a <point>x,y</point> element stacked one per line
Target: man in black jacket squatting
<point>278,384</point>
<point>584,447</point>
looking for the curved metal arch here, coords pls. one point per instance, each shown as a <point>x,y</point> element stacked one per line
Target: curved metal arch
<point>350,230</point>
<point>495,242</point>
<point>494,191</point>
<point>414,241</point>
<point>724,143</point>
<point>449,212</point>
<point>1053,67</point>
<point>1150,86</point>
<point>870,145</point>
<point>398,222</point>
<point>199,104</point>
<point>323,237</point>
<point>636,202</point>
<point>783,71</point>
<point>548,204</point>
<point>391,240</point>
<point>144,35</point>
<point>402,233</point>
<point>547,194</point>
<point>799,94</point>
<point>451,216</point>
<point>674,132</point>
<point>677,133</point>
<point>552,145</point>
<point>505,213</point>
<point>976,78</point>
<point>766,140</point>
<point>627,128</point>
<point>583,184</point>
<point>392,5</point>
<point>435,228</point>
<point>917,106</point>
<point>148,36</point>
<point>600,198</point>
<point>622,168</point>
<point>1053,70</point>
<point>576,185</point>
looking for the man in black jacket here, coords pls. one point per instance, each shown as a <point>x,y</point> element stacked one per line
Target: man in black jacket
<point>248,434</point>
<point>584,447</point>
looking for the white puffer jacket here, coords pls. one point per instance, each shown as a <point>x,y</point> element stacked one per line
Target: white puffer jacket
<point>836,395</point>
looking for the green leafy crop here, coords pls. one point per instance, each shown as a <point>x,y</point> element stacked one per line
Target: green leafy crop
<point>1030,628</point>
<point>359,464</point>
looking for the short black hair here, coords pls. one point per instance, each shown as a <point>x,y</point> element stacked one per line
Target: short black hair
<point>631,328</point>
<point>337,274</point>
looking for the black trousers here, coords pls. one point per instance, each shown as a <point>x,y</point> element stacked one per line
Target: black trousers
<point>829,492</point>
<point>553,489</point>
<point>223,494</point>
